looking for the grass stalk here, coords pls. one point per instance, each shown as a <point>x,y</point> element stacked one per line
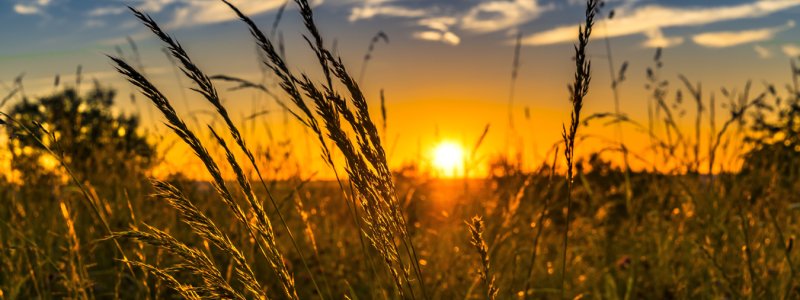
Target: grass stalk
<point>365,158</point>
<point>578,90</point>
<point>540,227</point>
<point>476,228</point>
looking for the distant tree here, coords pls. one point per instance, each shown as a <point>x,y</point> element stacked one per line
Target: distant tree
<point>96,144</point>
<point>776,139</point>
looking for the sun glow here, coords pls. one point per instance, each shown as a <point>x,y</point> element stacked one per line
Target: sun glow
<point>448,159</point>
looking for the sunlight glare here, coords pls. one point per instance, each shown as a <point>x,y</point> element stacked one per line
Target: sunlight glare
<point>448,158</point>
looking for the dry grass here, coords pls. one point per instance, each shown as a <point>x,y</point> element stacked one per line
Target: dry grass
<point>476,228</point>
<point>673,231</point>
<point>578,91</point>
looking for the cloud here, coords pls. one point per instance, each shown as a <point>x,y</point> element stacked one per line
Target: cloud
<point>209,12</point>
<point>106,11</point>
<point>723,39</point>
<point>656,17</point>
<point>439,19</point>
<point>187,13</point>
<point>498,15</point>
<point>372,9</point>
<point>31,7</point>
<point>439,30</point>
<point>791,50</point>
<point>656,39</point>
<point>438,23</point>
<point>23,9</point>
<point>762,52</point>
<point>438,36</point>
<point>154,6</point>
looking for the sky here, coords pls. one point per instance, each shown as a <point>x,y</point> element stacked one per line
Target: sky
<point>445,71</point>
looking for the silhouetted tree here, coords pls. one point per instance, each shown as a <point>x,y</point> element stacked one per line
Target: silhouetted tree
<point>776,139</point>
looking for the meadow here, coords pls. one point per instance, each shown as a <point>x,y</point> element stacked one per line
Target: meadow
<point>711,215</point>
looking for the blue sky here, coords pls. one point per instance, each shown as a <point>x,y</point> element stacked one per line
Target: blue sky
<point>35,29</point>
<point>445,21</point>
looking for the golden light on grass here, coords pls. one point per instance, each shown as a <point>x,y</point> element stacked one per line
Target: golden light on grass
<point>448,159</point>
<point>403,227</point>
<point>48,162</point>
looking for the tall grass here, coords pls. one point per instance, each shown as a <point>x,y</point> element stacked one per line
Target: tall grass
<point>365,159</point>
<point>476,228</point>
<point>578,91</point>
<point>261,230</point>
<point>685,227</point>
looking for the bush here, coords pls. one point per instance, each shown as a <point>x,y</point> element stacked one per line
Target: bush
<point>93,142</point>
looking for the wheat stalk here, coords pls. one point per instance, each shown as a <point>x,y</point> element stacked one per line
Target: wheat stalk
<point>196,262</point>
<point>365,158</point>
<point>476,228</point>
<point>578,90</point>
<point>208,230</point>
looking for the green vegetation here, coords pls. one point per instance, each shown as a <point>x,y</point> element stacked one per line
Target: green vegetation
<point>89,138</point>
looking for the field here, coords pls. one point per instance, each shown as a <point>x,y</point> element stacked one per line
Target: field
<point>711,214</point>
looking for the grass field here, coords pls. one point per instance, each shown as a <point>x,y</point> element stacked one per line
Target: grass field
<point>712,215</point>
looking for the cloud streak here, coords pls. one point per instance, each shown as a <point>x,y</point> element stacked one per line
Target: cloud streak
<point>438,36</point>
<point>106,11</point>
<point>210,12</point>
<point>646,19</point>
<point>439,30</point>
<point>762,52</point>
<point>23,9</point>
<point>791,50</point>
<point>35,7</point>
<point>439,22</point>
<point>657,39</point>
<point>188,13</point>
<point>499,15</point>
<point>722,39</point>
<point>372,9</point>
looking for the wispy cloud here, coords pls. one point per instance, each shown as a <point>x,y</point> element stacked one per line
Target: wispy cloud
<point>440,20</point>
<point>656,39</point>
<point>438,23</point>
<point>791,50</point>
<point>106,11</point>
<point>762,51</point>
<point>499,15</point>
<point>183,14</point>
<point>723,39</point>
<point>23,9</point>
<point>374,8</point>
<point>438,36</point>
<point>31,7</point>
<point>438,30</point>
<point>646,19</point>
<point>187,13</point>
<point>154,6</point>
<point>210,12</point>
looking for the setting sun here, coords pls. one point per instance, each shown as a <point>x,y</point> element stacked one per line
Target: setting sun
<point>448,159</point>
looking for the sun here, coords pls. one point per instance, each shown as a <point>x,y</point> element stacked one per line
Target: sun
<point>448,159</point>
